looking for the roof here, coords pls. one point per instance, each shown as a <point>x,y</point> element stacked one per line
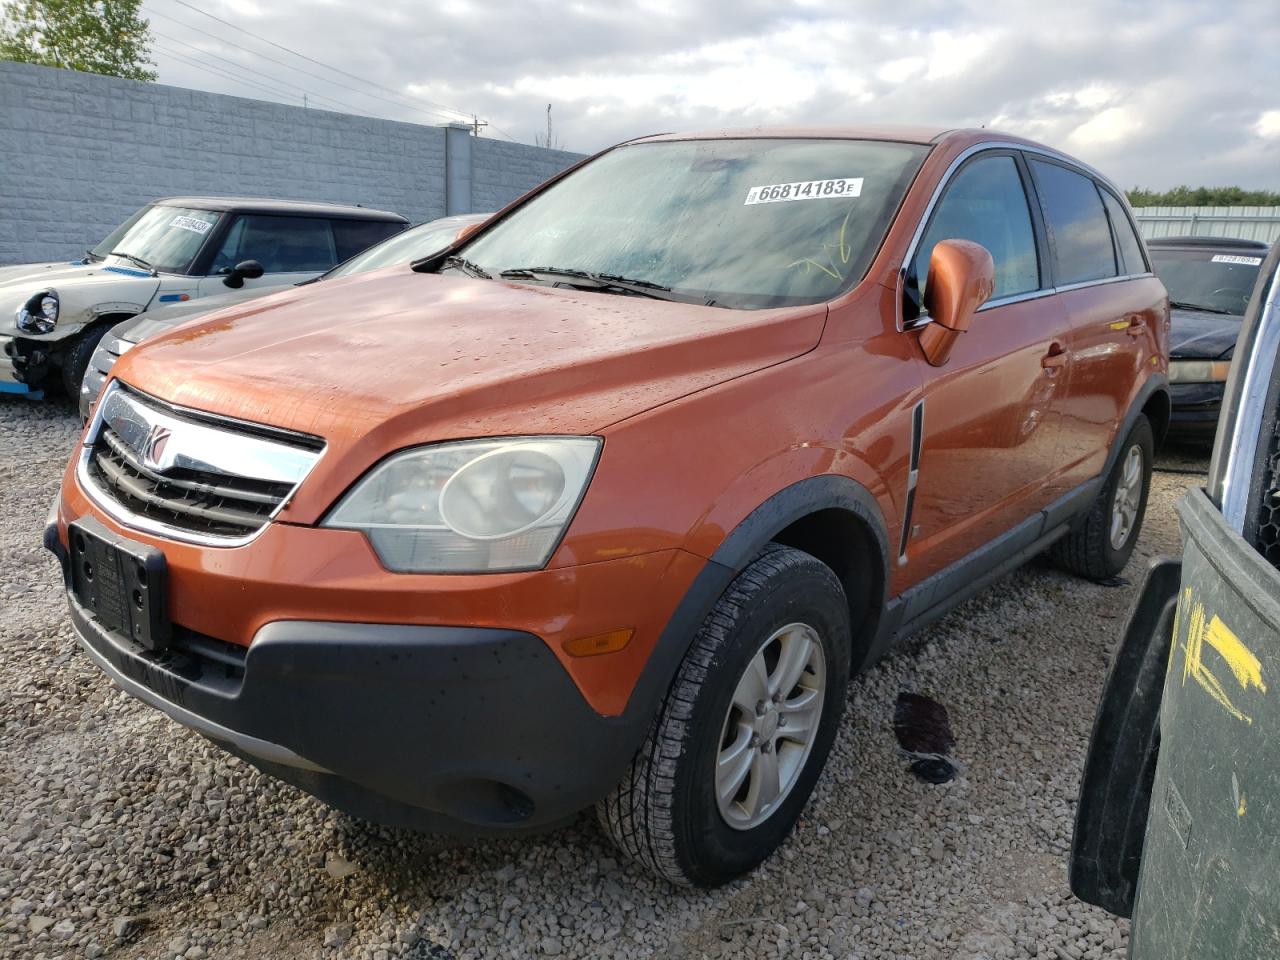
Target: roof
<point>900,133</point>
<point>1231,243</point>
<point>297,208</point>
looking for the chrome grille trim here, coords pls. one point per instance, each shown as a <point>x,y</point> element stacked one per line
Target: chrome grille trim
<point>187,475</point>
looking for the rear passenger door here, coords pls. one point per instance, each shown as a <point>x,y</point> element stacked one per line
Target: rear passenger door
<point>989,454</point>
<point>290,249</point>
<point>1115,309</point>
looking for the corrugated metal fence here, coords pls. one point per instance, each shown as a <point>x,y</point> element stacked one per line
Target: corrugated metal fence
<point>1247,223</point>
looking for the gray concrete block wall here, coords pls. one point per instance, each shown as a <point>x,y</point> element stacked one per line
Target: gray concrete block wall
<point>79,153</point>
<point>504,170</point>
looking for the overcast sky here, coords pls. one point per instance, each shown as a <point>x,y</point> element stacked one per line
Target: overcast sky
<point>1153,93</point>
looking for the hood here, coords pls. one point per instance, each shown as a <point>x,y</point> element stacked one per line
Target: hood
<point>167,316</point>
<point>1200,335</point>
<point>387,359</point>
<point>81,287</point>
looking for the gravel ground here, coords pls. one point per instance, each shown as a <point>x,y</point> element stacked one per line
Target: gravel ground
<point>124,835</point>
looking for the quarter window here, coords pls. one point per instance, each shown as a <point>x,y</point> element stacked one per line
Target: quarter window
<point>1078,224</point>
<point>354,236</point>
<point>280,244</point>
<point>985,203</point>
<point>1126,240</point>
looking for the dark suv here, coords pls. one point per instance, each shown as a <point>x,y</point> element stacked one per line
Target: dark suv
<point>1209,280</point>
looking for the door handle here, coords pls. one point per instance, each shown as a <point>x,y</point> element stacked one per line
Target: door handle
<point>1055,359</point>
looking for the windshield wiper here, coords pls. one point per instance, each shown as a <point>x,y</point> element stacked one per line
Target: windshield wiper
<point>132,258</point>
<point>90,256</point>
<point>467,267</point>
<point>1182,305</point>
<point>600,281</point>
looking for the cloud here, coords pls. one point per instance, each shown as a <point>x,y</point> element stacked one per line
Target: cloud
<point>1153,93</point>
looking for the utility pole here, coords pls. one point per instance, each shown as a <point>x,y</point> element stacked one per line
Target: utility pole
<point>548,143</point>
<point>477,124</point>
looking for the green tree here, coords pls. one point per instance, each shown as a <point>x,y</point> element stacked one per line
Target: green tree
<point>1203,197</point>
<point>105,37</point>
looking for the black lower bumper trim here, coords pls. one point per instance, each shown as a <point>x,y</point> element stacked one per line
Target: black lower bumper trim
<point>457,729</point>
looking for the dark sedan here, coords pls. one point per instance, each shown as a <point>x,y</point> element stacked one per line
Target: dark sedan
<point>1209,280</point>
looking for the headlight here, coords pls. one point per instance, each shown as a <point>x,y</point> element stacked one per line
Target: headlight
<point>1199,371</point>
<point>471,506</point>
<point>40,313</point>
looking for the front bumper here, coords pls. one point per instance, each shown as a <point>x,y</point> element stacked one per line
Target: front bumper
<point>447,729</point>
<point>110,348</point>
<point>1196,407</point>
<point>11,379</point>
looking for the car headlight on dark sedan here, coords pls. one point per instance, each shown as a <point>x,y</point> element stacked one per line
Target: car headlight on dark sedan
<point>1199,371</point>
<point>472,506</point>
<point>40,313</point>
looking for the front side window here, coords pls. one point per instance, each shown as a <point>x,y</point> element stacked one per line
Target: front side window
<point>280,244</point>
<point>161,237</point>
<point>1219,281</point>
<point>1126,240</point>
<point>986,203</point>
<point>1077,222</point>
<point>747,223</point>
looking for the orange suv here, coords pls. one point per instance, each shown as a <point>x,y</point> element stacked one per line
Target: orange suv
<point>604,505</point>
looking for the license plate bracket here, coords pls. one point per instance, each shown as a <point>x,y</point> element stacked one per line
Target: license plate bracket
<point>121,582</point>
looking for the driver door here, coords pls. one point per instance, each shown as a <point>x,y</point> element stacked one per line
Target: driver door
<point>992,412</point>
<point>290,249</point>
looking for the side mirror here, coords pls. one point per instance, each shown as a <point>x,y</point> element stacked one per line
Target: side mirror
<point>242,271</point>
<point>467,231</point>
<point>961,278</point>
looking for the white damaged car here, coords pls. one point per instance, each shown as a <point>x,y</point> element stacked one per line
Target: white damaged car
<point>52,315</point>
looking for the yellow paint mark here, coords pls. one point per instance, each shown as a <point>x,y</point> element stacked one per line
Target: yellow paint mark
<point>1244,666</point>
<point>1119,325</point>
<point>1243,805</point>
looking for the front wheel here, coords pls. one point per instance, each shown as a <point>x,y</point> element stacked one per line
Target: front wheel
<point>75,360</point>
<point>1101,545</point>
<point>745,729</point>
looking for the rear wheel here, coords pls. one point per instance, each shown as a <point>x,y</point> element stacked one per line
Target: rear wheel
<point>1102,544</point>
<point>745,730</point>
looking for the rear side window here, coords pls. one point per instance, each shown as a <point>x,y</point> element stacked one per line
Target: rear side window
<point>1077,222</point>
<point>352,236</point>
<point>1126,240</point>
<point>985,203</point>
<point>280,244</point>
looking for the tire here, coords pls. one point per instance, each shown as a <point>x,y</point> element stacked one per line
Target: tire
<point>665,814</point>
<point>75,360</point>
<point>1089,550</point>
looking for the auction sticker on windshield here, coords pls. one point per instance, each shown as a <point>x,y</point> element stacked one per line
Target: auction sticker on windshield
<point>1228,258</point>
<point>805,190</point>
<point>190,223</point>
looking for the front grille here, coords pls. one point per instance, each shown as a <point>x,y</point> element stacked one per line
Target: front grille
<point>189,475</point>
<point>1268,537</point>
<point>199,501</point>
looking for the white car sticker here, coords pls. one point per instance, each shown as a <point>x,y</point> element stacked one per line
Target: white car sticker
<point>1226,258</point>
<point>194,225</point>
<point>805,190</point>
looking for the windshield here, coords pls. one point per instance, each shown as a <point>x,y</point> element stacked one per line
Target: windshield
<point>412,244</point>
<point>746,223</point>
<point>1220,282</point>
<point>165,238</point>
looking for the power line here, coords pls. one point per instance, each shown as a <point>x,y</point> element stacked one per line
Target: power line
<point>302,91</point>
<point>437,107</point>
<point>216,71</point>
<point>288,66</point>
